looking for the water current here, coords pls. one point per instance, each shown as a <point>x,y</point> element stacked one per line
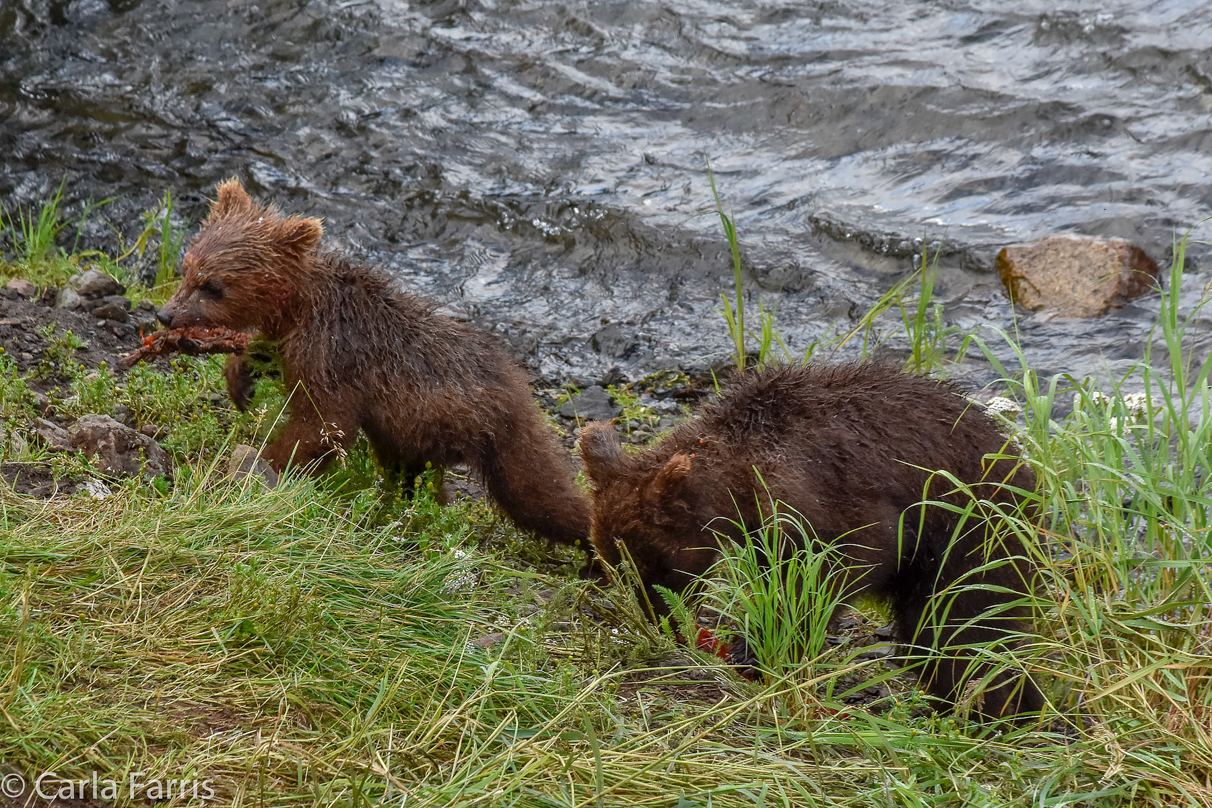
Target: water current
<point>541,167</point>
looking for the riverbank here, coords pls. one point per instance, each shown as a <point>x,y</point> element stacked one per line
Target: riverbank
<point>329,642</point>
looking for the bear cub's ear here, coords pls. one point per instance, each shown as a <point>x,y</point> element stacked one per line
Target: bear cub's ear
<point>232,200</point>
<point>667,484</point>
<point>299,235</point>
<point>601,451</point>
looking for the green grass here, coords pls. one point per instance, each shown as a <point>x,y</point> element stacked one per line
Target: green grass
<point>31,237</point>
<point>31,247</point>
<point>160,244</point>
<point>312,644</point>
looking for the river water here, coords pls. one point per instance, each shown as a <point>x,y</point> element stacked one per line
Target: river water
<point>540,167</point>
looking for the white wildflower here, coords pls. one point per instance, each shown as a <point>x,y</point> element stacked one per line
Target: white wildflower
<point>1000,405</point>
<point>464,577</point>
<point>1137,405</point>
<point>460,581</point>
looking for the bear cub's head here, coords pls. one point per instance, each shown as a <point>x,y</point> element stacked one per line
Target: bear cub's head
<point>243,267</point>
<point>651,502</point>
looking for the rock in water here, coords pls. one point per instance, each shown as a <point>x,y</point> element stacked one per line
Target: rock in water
<point>1076,276</point>
<point>614,340</point>
<point>118,449</point>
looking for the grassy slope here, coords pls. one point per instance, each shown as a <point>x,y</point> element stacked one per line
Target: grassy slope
<point>310,645</point>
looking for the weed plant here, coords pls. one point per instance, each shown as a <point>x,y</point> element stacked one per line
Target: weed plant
<point>777,589</point>
<point>33,241</point>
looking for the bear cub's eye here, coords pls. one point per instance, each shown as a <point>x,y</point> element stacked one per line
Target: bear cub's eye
<point>212,290</point>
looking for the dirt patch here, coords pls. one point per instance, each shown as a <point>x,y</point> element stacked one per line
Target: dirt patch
<point>686,684</point>
<point>29,327</point>
<point>36,480</point>
<point>205,720</point>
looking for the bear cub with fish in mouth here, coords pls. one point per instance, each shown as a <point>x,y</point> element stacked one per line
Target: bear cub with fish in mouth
<point>852,451</point>
<point>359,354</point>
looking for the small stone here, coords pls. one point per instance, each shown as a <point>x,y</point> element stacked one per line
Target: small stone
<point>22,287</point>
<point>114,307</point>
<point>94,283</point>
<point>614,341</point>
<point>67,299</point>
<point>1076,276</point>
<point>54,436</point>
<point>246,462</point>
<point>591,404</point>
<point>152,431</point>
<point>118,449</point>
<point>122,414</point>
<point>96,489</point>
<point>144,322</point>
<point>146,305</point>
<point>846,622</point>
<point>35,479</point>
<point>120,330</point>
<point>120,301</point>
<point>489,640</point>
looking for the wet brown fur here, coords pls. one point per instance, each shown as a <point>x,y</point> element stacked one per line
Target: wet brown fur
<point>840,445</point>
<point>359,354</point>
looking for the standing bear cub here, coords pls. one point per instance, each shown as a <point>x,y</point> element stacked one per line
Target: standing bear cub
<point>851,449</point>
<point>358,354</point>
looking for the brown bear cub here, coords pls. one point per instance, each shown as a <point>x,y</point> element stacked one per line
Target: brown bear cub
<point>358,354</point>
<point>850,448</point>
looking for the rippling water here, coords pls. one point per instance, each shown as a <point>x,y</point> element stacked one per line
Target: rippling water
<point>541,167</point>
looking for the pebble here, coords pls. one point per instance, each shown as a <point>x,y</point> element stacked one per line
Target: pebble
<point>94,283</point>
<point>22,287</point>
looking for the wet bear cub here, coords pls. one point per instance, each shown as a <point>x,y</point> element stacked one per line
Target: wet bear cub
<point>360,355</point>
<point>850,448</point>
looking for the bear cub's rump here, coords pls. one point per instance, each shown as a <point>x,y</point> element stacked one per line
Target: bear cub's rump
<point>360,355</point>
